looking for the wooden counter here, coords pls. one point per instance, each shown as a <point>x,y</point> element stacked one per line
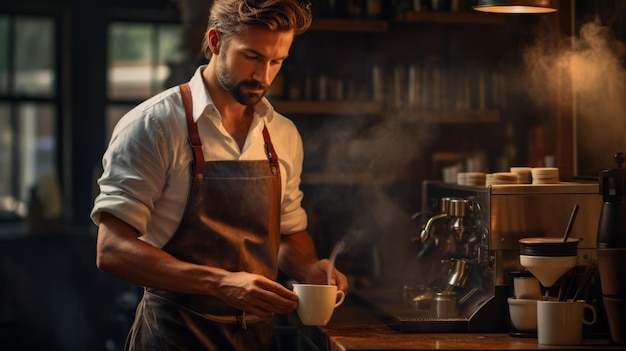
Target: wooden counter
<point>354,328</point>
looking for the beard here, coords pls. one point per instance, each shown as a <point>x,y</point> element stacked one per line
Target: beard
<point>235,89</point>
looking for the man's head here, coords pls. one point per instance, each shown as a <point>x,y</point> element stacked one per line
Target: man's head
<point>248,41</point>
<point>229,17</point>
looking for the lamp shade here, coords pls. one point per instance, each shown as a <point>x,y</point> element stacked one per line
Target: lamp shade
<point>515,6</point>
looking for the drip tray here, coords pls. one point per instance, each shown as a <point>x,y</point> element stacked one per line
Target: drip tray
<point>392,307</point>
<point>400,313</point>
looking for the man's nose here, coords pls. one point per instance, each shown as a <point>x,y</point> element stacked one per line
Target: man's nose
<point>262,73</point>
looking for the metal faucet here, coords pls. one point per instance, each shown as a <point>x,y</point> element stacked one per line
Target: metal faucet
<point>445,206</point>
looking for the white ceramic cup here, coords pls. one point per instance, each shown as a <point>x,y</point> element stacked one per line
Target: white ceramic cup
<point>561,322</point>
<point>523,313</point>
<point>526,288</point>
<point>316,303</point>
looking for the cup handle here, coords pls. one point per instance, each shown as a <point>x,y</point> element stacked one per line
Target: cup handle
<point>342,296</point>
<point>593,313</point>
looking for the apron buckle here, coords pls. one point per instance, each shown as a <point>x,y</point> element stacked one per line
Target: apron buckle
<point>241,320</point>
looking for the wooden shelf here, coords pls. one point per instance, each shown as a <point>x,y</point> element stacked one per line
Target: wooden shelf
<point>454,18</point>
<point>453,116</point>
<point>348,25</point>
<point>375,108</point>
<point>330,107</point>
<point>345,178</point>
<point>377,26</point>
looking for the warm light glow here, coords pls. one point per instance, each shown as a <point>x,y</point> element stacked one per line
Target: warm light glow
<point>514,9</point>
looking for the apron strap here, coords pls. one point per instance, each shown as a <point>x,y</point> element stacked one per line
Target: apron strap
<point>271,153</point>
<point>194,137</point>
<point>196,144</point>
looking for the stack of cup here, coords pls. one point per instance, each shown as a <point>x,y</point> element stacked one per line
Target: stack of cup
<point>524,174</point>
<point>471,178</point>
<point>488,179</point>
<point>502,178</point>
<point>523,305</point>
<point>545,175</point>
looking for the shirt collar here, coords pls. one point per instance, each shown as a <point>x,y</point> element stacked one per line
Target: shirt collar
<point>202,101</point>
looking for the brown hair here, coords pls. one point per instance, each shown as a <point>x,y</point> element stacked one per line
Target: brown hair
<point>229,16</point>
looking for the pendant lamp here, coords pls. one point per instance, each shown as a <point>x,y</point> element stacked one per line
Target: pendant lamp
<point>515,6</point>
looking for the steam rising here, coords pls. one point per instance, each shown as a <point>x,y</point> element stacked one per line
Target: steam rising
<point>592,66</point>
<point>381,150</point>
<point>366,155</point>
<point>333,257</point>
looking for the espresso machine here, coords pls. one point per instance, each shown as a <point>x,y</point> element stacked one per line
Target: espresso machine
<point>466,244</point>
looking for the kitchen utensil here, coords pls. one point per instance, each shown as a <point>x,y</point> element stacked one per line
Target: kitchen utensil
<point>612,225</point>
<point>613,189</point>
<point>568,231</point>
<point>611,243</point>
<point>548,258</point>
<point>444,305</point>
<point>567,284</point>
<point>589,272</point>
<point>548,268</point>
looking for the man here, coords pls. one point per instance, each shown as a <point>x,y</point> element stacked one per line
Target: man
<point>199,199</point>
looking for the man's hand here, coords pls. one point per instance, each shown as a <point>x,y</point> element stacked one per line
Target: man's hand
<point>256,294</point>
<point>298,260</point>
<point>121,253</point>
<point>318,274</point>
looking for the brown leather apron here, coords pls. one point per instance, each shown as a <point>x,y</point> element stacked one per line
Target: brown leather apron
<point>231,221</point>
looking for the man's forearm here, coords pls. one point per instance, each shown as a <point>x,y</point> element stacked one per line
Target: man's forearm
<point>297,255</point>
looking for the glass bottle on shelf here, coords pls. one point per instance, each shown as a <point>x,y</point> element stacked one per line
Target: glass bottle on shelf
<point>308,86</point>
<point>294,85</point>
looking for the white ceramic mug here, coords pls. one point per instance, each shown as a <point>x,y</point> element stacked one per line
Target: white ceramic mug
<point>523,313</point>
<point>561,322</point>
<point>316,303</point>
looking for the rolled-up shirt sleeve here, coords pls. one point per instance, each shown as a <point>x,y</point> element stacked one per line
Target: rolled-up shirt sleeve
<point>293,217</point>
<point>134,173</point>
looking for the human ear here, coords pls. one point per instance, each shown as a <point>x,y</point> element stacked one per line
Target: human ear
<point>213,38</point>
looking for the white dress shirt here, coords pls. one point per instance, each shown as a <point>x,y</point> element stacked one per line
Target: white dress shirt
<point>147,163</point>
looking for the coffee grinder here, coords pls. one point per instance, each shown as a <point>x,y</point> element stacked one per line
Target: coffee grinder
<point>611,242</point>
